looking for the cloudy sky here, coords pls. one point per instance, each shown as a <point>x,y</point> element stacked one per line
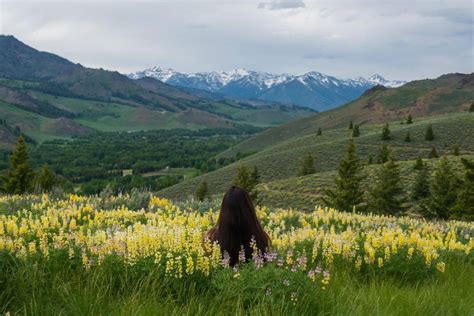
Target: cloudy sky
<point>402,39</point>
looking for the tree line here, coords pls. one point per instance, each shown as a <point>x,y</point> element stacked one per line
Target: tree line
<point>93,163</point>
<point>438,195</point>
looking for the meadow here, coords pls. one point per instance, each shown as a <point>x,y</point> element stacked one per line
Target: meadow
<point>142,254</point>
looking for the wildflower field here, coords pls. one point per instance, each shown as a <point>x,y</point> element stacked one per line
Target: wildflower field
<point>128,255</point>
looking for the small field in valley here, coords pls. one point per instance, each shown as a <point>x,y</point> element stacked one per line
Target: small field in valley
<point>140,254</point>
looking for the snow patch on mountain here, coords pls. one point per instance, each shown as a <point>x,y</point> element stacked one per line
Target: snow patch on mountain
<point>219,79</point>
<point>314,89</point>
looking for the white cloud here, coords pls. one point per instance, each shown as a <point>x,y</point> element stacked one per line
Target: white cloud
<point>399,39</point>
<point>281,4</point>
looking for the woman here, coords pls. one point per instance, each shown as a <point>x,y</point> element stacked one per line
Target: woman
<point>237,225</point>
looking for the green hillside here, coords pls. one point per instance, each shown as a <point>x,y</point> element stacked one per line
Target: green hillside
<point>446,94</point>
<point>307,191</point>
<point>19,107</point>
<point>47,96</point>
<point>283,160</point>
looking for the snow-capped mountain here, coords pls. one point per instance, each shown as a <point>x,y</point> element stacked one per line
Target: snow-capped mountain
<point>379,80</point>
<point>312,89</point>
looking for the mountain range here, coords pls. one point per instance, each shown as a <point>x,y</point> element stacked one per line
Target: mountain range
<point>313,89</point>
<point>47,96</point>
<point>442,104</point>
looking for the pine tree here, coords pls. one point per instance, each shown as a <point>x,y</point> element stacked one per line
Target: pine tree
<point>254,177</point>
<point>386,196</point>
<point>45,180</point>
<point>202,191</point>
<point>247,180</point>
<point>456,150</point>
<point>383,154</point>
<point>370,160</point>
<point>471,108</point>
<point>386,135</point>
<point>421,187</point>
<point>409,119</point>
<point>407,137</point>
<point>464,207</point>
<point>351,126</point>
<point>443,191</point>
<point>308,166</point>
<point>433,153</point>
<point>355,131</point>
<point>346,193</point>
<point>419,163</point>
<point>429,136</point>
<point>242,178</point>
<point>320,132</point>
<point>19,176</point>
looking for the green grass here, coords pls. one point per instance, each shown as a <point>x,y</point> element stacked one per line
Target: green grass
<point>187,173</point>
<point>54,288</point>
<point>32,124</point>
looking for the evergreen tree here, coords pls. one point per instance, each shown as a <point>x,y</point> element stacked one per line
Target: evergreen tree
<point>351,126</point>
<point>19,176</point>
<point>247,180</point>
<point>456,150</point>
<point>429,133</point>
<point>202,191</point>
<point>442,191</point>
<point>386,134</point>
<point>254,177</point>
<point>419,163</point>
<point>407,137</point>
<point>355,131</point>
<point>320,132</point>
<point>471,108</point>
<point>421,187</point>
<point>242,178</point>
<point>433,153</point>
<point>45,180</point>
<point>464,207</point>
<point>308,166</point>
<point>386,196</point>
<point>383,154</point>
<point>346,193</point>
<point>371,160</point>
<point>409,119</point>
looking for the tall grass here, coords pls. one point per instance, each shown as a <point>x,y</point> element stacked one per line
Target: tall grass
<point>61,286</point>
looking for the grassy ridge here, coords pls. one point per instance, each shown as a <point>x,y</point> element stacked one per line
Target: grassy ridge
<point>283,160</point>
<point>446,94</point>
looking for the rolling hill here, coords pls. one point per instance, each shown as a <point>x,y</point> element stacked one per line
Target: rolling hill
<point>278,152</point>
<point>47,96</point>
<point>446,94</point>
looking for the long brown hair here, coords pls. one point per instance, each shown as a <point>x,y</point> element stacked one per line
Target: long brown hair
<point>237,225</point>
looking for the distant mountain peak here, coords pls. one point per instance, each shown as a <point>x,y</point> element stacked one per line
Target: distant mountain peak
<point>312,89</point>
<point>377,79</point>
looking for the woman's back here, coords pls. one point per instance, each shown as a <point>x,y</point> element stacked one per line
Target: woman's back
<point>237,226</point>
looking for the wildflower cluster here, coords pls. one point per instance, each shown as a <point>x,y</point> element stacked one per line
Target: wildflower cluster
<point>310,244</point>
